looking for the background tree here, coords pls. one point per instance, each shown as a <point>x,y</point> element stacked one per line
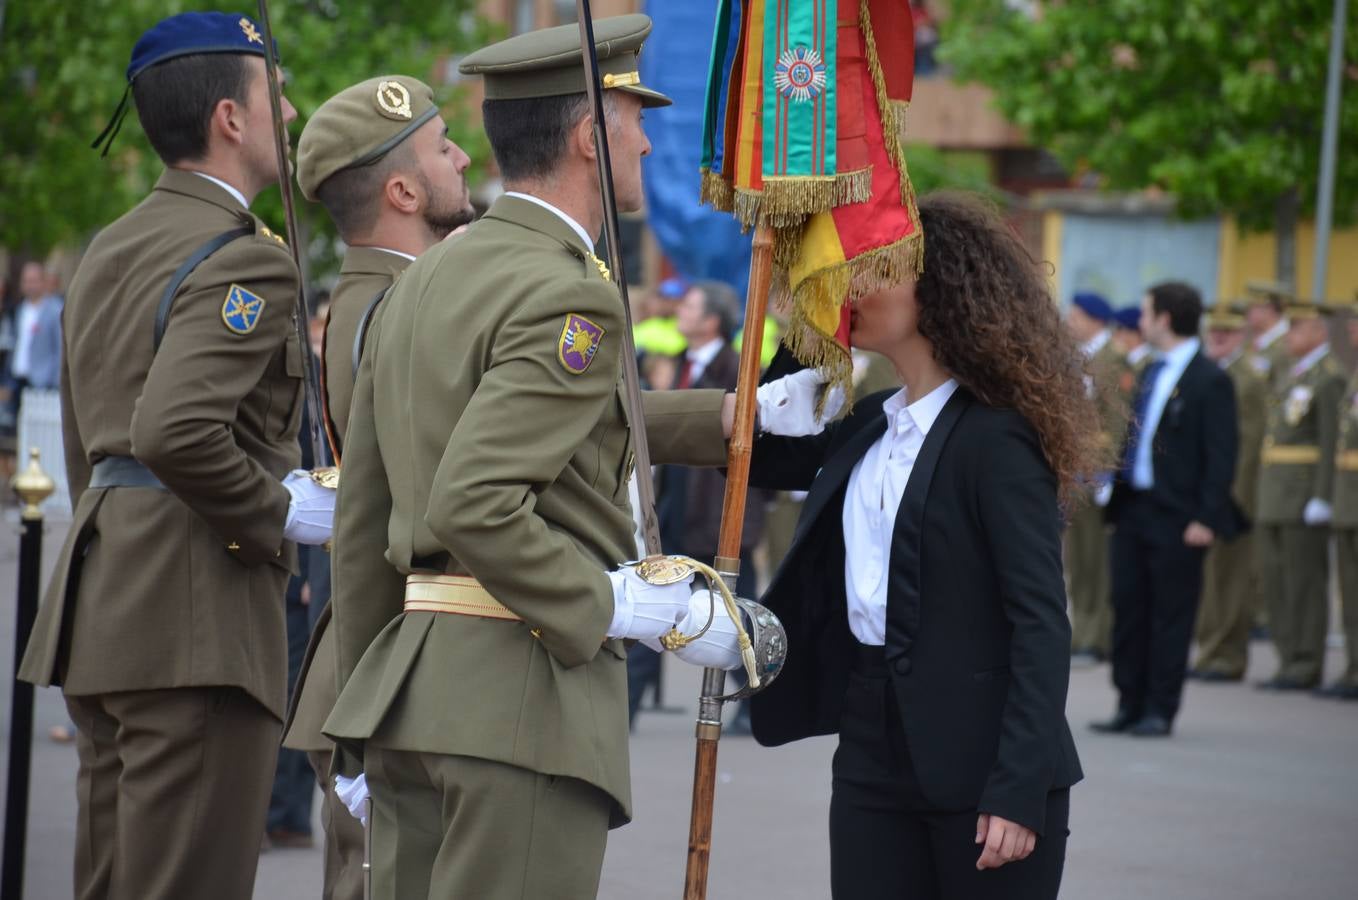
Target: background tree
<point>62,70</point>
<point>1219,102</point>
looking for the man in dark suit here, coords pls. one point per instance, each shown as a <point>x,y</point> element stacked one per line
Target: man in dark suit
<point>1171,501</point>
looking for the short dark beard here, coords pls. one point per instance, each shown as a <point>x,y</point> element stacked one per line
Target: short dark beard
<point>440,221</point>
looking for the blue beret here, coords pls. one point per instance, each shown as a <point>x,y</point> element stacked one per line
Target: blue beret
<point>196,32</point>
<point>1128,317</point>
<point>1093,306</point>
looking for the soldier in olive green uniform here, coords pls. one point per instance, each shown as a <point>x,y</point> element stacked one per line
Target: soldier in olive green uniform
<point>1231,577</point>
<point>1266,302</point>
<point>484,508</point>
<point>377,156</point>
<point>1345,526</point>
<point>1109,382</point>
<point>1296,488</point>
<point>181,397</point>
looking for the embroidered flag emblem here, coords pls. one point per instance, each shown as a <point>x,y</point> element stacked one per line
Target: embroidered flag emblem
<point>241,309</point>
<point>579,342</point>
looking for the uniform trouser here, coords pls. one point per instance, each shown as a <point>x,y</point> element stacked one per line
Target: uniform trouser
<point>462,827</point>
<point>1295,573</point>
<point>1091,617</point>
<point>173,789</point>
<point>1227,609</point>
<point>343,837</point>
<point>1346,555</point>
<point>1157,580</point>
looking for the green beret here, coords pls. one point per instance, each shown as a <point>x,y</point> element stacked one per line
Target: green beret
<point>548,62</point>
<point>360,125</point>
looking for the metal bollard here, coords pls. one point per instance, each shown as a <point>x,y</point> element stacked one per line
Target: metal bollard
<point>33,487</point>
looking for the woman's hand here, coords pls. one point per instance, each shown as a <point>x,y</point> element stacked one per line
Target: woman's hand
<point>1005,841</point>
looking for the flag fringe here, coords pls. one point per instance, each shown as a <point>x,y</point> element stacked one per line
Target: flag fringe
<point>716,191</point>
<point>785,202</point>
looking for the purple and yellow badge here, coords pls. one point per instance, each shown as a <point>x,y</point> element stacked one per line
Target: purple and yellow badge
<point>579,342</point>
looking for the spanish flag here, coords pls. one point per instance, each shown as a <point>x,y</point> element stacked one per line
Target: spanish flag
<point>806,104</point>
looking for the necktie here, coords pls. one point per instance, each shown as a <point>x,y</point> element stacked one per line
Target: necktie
<point>1139,409</point>
<point>685,375</point>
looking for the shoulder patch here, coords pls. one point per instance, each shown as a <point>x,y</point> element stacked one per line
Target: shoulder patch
<point>578,343</point>
<point>241,309</point>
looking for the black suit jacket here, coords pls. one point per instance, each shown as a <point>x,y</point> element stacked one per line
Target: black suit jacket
<point>1193,453</point>
<point>978,641</point>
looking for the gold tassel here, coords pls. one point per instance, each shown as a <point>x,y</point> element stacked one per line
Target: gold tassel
<point>716,191</point>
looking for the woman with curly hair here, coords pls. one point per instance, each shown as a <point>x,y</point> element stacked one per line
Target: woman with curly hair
<point>923,595</point>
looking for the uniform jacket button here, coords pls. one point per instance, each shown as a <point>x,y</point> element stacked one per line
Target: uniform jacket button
<point>901,665</point>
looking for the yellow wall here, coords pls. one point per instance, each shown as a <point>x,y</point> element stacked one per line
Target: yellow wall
<point>1251,256</point>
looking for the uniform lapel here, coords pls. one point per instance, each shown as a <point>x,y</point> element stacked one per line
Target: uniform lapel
<point>903,587</point>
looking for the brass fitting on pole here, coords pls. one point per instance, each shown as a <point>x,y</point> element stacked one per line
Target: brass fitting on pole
<point>33,486</point>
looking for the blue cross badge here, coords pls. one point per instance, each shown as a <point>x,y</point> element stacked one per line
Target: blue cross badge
<point>241,309</point>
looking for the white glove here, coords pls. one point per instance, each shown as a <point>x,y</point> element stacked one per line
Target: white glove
<point>787,407</point>
<point>353,793</point>
<point>1103,494</point>
<point>719,647</point>
<point>311,514</point>
<point>642,610</point>
<point>1317,512</point>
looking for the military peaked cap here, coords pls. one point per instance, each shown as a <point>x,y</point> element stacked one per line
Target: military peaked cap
<point>549,62</point>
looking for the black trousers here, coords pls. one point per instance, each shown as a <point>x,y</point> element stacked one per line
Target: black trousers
<point>887,841</point>
<point>1157,581</point>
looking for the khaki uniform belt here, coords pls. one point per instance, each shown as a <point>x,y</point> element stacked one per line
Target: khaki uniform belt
<point>1291,455</point>
<point>1348,461</point>
<point>458,594</point>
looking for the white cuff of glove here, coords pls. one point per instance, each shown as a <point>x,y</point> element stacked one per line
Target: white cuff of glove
<point>353,793</point>
<point>311,513</point>
<point>1316,512</point>
<point>719,647</point>
<point>642,610</point>
<point>1103,494</point>
<point>787,407</point>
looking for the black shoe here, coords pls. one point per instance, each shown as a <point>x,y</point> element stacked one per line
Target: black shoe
<point>1283,683</point>
<point>1151,726</point>
<point>1340,690</point>
<point>1216,676</point>
<point>1120,722</point>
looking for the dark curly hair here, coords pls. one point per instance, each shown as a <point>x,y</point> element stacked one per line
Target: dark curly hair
<point>985,307</point>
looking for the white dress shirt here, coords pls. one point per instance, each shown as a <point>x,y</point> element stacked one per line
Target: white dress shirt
<point>1176,360</point>
<point>395,253</point>
<point>1307,362</point>
<point>575,226</point>
<point>698,360</point>
<point>876,488</point>
<point>25,323</point>
<point>1265,340</point>
<point>226,187</point>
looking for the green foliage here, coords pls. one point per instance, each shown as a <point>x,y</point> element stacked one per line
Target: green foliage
<point>931,169</point>
<point>1219,102</point>
<point>62,65</point>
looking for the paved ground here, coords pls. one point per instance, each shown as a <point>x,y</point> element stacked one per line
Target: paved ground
<point>1254,798</point>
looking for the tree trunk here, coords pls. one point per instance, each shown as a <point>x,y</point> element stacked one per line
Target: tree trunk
<point>1285,234</point>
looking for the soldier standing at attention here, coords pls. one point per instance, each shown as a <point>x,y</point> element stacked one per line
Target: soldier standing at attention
<point>1230,582</point>
<point>479,600</point>
<point>1086,540</point>
<point>377,156</point>
<point>1264,314</point>
<point>1296,489</point>
<point>182,393</point>
<point>1346,528</point>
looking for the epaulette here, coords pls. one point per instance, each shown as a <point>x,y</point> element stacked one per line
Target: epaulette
<point>265,231</point>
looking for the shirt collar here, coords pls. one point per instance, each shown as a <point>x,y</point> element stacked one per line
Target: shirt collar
<point>1178,357</point>
<point>924,411</point>
<point>1265,340</point>
<point>395,252</point>
<point>1307,362</point>
<point>575,226</point>
<point>1095,344</point>
<point>703,355</point>
<point>1138,353</point>
<point>240,198</point>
